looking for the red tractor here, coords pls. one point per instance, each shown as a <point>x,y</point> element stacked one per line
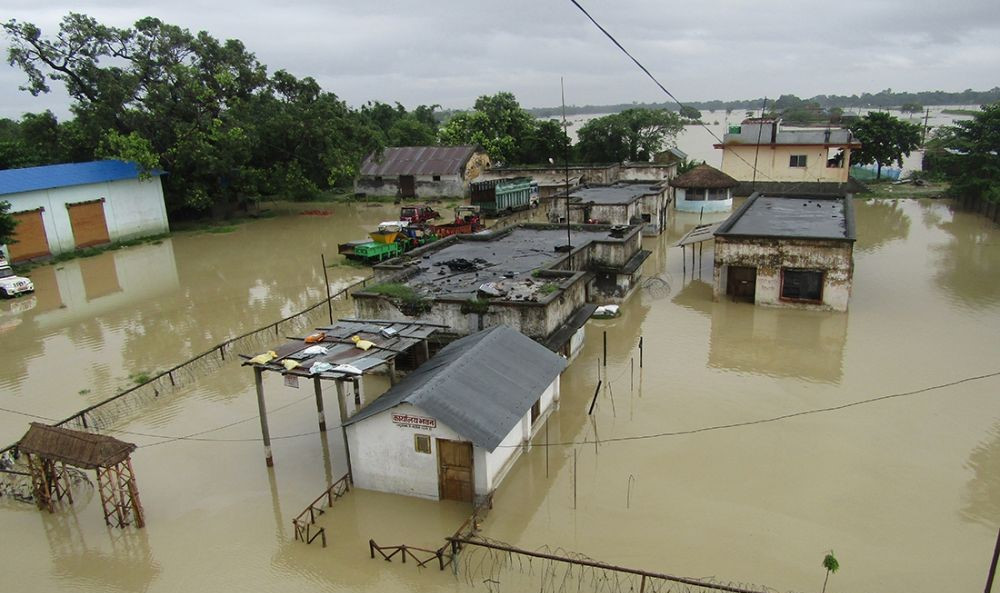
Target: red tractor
<point>466,221</point>
<point>417,214</point>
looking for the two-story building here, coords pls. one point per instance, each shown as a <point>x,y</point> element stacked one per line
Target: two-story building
<point>780,156</point>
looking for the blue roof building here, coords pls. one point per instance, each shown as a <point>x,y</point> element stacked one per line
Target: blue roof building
<point>68,206</point>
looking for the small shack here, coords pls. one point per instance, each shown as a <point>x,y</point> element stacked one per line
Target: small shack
<point>704,189</point>
<point>453,428</point>
<point>421,171</point>
<point>70,206</point>
<point>50,449</point>
<point>789,252</point>
<point>621,203</point>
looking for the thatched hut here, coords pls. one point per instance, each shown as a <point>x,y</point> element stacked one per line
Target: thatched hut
<point>704,189</point>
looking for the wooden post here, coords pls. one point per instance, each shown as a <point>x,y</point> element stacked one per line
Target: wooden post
<point>262,408</point>
<point>605,348</point>
<point>319,403</point>
<point>343,418</point>
<point>993,565</point>
<point>133,491</point>
<point>392,371</point>
<point>326,283</point>
<point>640,352</point>
<point>574,479</point>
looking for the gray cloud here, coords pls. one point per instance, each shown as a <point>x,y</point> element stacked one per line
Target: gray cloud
<point>450,52</point>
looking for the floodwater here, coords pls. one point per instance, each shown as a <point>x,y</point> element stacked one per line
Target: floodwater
<point>693,474</point>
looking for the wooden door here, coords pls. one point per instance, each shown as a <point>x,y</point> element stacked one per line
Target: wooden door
<point>741,283</point>
<point>455,476</point>
<point>407,186</point>
<point>29,235</point>
<point>88,223</point>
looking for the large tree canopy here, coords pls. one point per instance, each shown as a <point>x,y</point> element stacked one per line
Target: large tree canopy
<point>884,139</point>
<point>204,110</point>
<point>632,135</point>
<point>507,132</point>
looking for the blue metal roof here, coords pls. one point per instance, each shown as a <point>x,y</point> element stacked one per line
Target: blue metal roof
<point>13,181</point>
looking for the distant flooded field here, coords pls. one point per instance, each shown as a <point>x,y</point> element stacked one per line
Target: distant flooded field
<point>750,443</point>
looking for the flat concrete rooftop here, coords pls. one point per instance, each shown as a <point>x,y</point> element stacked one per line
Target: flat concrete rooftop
<point>791,217</point>
<point>459,269</point>
<point>621,193</point>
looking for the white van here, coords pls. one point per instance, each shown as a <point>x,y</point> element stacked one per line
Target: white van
<point>12,285</point>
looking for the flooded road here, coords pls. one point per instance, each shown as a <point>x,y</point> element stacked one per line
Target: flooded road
<point>694,474</point>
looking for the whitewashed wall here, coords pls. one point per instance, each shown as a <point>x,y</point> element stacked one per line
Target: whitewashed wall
<point>132,208</point>
<point>685,205</point>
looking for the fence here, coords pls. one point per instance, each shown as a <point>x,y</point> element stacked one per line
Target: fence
<point>107,413</point>
<point>303,528</point>
<point>446,554</point>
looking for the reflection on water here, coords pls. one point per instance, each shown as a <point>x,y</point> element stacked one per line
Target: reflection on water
<point>968,262</point>
<point>982,500</point>
<point>884,221</point>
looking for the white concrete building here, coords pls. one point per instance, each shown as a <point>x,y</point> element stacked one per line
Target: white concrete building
<point>453,428</point>
<point>65,207</point>
<point>788,252</point>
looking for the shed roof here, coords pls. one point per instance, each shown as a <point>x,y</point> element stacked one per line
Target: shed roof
<point>81,449</point>
<point>418,160</point>
<point>389,339</point>
<point>13,181</point>
<point>480,385</point>
<point>704,176</point>
<point>792,218</point>
<point>618,194</point>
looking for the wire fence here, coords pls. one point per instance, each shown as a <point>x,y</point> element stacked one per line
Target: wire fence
<point>109,412</point>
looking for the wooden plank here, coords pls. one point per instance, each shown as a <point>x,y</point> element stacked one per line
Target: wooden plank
<point>30,240</point>
<point>88,223</point>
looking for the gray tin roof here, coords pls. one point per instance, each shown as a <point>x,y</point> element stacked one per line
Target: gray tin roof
<point>792,218</point>
<point>480,386</point>
<point>418,160</point>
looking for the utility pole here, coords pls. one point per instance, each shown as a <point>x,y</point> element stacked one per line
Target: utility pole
<point>927,116</point>
<point>562,90</point>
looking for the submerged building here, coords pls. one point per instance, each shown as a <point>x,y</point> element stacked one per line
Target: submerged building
<point>453,428</point>
<point>703,189</point>
<point>421,171</point>
<point>621,203</point>
<point>70,206</point>
<point>789,252</point>
<point>524,277</point>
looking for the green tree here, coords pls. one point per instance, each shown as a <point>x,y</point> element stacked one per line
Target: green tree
<point>689,112</point>
<point>831,565</point>
<point>911,107</point>
<point>884,139</point>
<point>7,224</point>
<point>632,135</point>
<point>972,159</point>
<point>506,131</point>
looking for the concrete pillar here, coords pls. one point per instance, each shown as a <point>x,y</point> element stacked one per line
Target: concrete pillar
<point>262,408</point>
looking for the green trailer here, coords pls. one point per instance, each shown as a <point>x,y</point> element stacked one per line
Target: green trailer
<point>497,197</point>
<point>374,251</point>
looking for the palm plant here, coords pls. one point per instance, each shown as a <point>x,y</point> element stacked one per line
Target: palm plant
<point>831,565</point>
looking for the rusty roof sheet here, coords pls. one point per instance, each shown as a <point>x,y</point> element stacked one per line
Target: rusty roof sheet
<point>81,449</point>
<point>390,339</point>
<point>418,160</point>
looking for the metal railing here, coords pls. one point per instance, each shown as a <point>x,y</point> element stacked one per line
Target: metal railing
<point>304,528</point>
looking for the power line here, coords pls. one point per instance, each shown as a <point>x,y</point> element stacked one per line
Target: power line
<point>668,93</point>
<point>767,420</point>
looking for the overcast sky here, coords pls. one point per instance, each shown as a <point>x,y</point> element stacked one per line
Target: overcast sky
<point>449,52</point>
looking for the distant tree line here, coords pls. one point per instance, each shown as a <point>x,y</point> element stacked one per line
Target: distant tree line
<point>884,99</point>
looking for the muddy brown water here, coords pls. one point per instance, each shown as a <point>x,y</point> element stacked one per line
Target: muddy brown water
<point>905,490</point>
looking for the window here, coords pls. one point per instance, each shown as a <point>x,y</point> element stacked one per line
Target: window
<point>797,160</point>
<point>801,285</point>
<point>647,218</point>
<point>422,443</point>
<point>378,181</point>
<point>718,194</point>
<point>694,195</point>
<point>437,178</point>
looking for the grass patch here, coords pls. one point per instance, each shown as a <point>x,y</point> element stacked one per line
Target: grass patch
<point>961,111</point>
<point>24,268</point>
<point>887,189</point>
<point>478,306</point>
<point>83,392</point>
<point>226,228</point>
<point>403,296</point>
<point>140,377</point>
<point>548,288</point>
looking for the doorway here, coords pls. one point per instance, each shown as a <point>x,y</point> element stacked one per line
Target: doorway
<point>741,284</point>
<point>407,186</point>
<point>88,223</point>
<point>29,234</point>
<point>455,476</point>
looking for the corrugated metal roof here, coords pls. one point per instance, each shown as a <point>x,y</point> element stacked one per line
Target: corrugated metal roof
<point>418,160</point>
<point>479,386</point>
<point>13,181</point>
